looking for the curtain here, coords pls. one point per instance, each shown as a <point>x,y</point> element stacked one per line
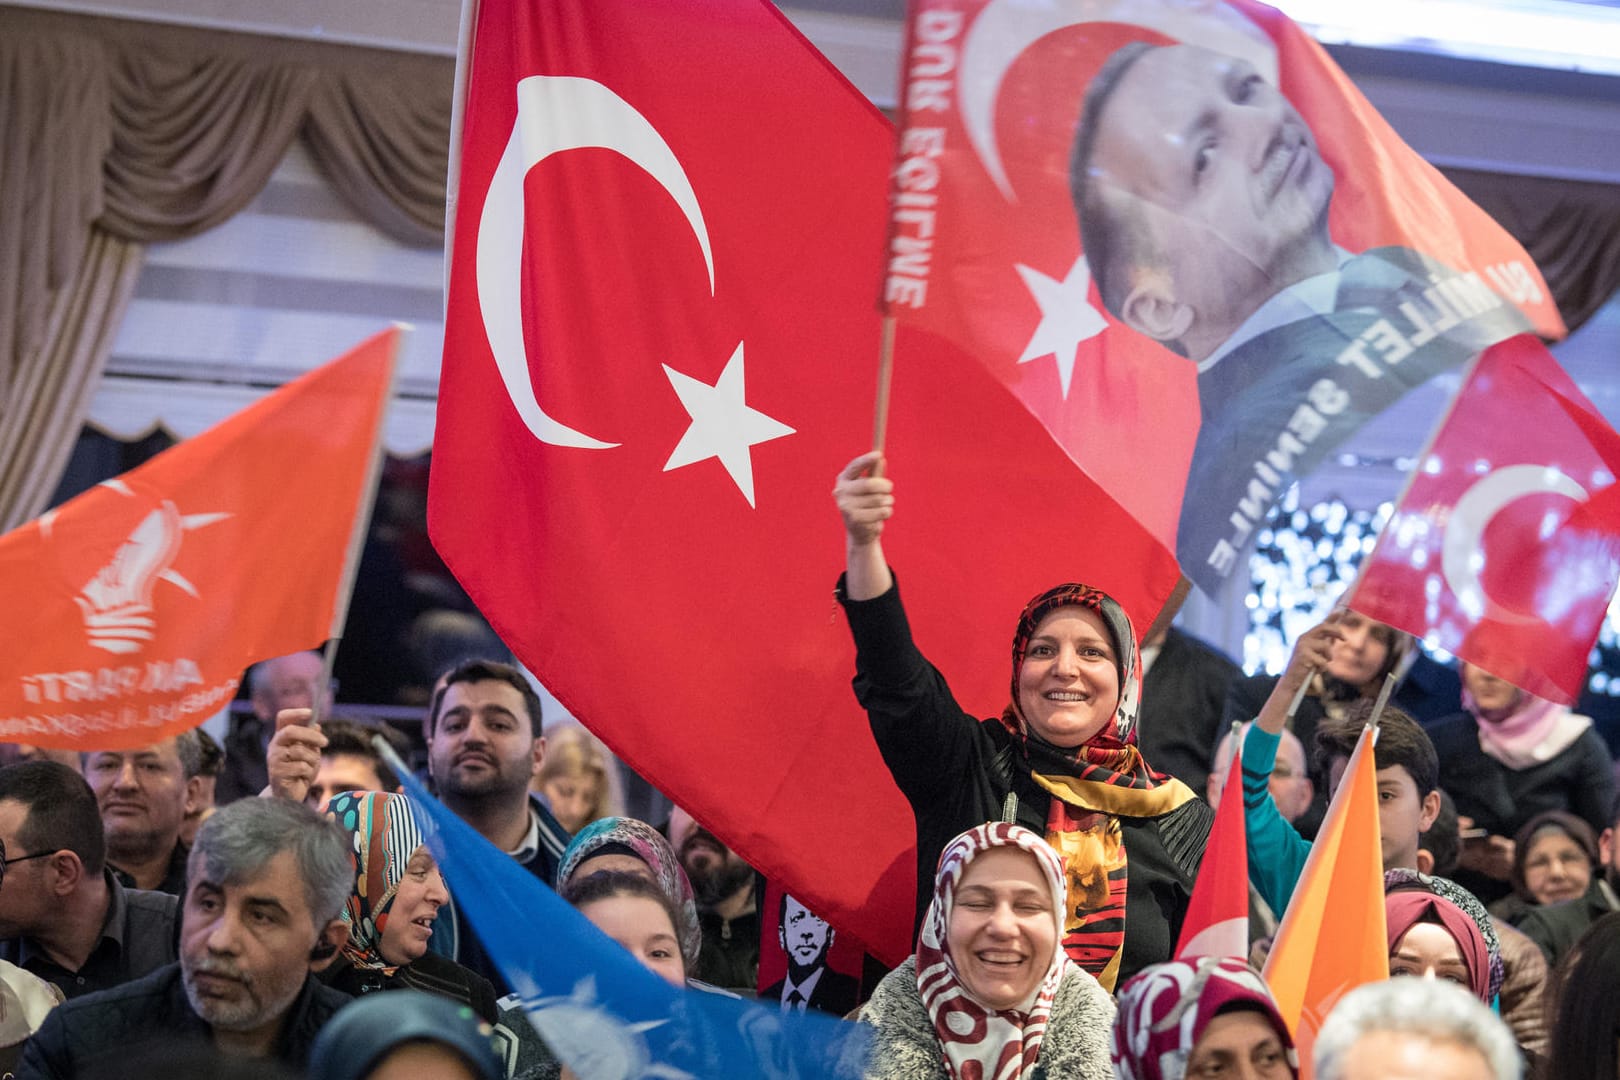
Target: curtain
<point>117,134</point>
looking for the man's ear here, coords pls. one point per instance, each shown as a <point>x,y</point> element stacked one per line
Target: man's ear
<point>539,756</point>
<point>1430,811</point>
<point>194,788</point>
<point>1606,846</point>
<point>66,872</point>
<point>1153,310</point>
<point>334,935</point>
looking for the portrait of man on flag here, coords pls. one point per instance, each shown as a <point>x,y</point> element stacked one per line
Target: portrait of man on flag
<point>1188,244</point>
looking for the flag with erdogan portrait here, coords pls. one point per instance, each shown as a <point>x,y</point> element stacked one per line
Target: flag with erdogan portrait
<point>1186,243</point>
<point>1505,547</point>
<point>661,348</point>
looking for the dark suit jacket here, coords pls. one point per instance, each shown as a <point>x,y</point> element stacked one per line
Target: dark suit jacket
<point>834,992</point>
<point>1183,698</point>
<point>1252,397</point>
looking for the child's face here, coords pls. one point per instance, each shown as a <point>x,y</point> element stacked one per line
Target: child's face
<point>1402,813</point>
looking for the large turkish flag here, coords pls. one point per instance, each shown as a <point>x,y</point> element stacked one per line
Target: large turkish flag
<point>1505,548</point>
<point>661,348</point>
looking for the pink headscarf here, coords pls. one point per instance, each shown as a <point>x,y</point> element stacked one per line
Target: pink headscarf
<point>1165,1009</point>
<point>1527,733</point>
<point>979,1041</point>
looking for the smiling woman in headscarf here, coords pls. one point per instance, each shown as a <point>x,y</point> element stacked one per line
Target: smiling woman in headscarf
<point>397,892</point>
<point>1213,1016</point>
<point>990,994</point>
<point>622,843</point>
<point>1061,760</point>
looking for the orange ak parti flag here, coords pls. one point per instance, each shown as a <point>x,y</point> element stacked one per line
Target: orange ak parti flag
<point>140,602</point>
<point>1333,936</point>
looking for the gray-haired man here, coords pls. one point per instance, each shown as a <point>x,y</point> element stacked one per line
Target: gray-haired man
<point>266,881</point>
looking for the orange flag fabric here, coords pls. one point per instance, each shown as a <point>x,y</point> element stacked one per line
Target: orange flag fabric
<point>140,602</point>
<point>1333,938</point>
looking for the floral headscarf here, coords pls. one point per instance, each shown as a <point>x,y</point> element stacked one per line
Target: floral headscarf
<point>382,838</point>
<point>978,1041</point>
<point>631,837</point>
<point>1165,1009</point>
<point>1121,730</point>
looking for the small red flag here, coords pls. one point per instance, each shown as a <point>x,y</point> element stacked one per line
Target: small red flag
<point>144,599</point>
<point>1505,548</point>
<point>660,349</point>
<point>1217,922</point>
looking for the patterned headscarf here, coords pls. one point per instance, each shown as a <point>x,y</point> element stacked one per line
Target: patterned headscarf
<point>1165,1009</point>
<point>980,1042</point>
<point>382,837</point>
<point>1487,975</point>
<point>629,836</point>
<point>1092,786</point>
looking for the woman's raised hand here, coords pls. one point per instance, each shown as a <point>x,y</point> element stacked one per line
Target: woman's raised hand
<point>865,500</point>
<point>1312,652</point>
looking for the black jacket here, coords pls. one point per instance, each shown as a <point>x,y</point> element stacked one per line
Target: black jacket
<point>1558,926</point>
<point>430,973</point>
<point>1183,700</point>
<point>98,1029</point>
<point>957,771</point>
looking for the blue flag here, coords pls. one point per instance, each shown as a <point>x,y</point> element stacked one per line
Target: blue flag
<point>605,1015</point>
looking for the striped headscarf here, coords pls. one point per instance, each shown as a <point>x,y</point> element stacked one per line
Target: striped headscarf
<point>383,836</point>
<point>980,1042</point>
<point>627,836</point>
<point>1165,1009</point>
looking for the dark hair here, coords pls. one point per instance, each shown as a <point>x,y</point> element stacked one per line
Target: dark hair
<point>1585,1005</point>
<point>1550,821</point>
<point>1102,225</point>
<point>62,812</point>
<point>1443,839</point>
<point>1401,741</point>
<point>348,737</point>
<point>212,757</point>
<point>471,671</point>
<point>606,884</point>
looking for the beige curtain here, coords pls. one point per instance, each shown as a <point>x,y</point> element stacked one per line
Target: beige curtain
<point>117,134</point>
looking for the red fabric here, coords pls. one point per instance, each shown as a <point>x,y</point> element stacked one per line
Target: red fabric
<point>983,233</point>
<point>1548,562</point>
<point>1217,921</point>
<point>137,605</point>
<point>690,627</point>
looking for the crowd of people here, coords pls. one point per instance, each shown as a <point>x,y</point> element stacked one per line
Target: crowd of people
<point>269,906</point>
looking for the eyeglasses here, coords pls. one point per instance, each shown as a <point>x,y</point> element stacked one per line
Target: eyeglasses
<point>6,861</point>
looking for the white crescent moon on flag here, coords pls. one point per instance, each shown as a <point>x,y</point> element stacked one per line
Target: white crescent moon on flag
<point>1005,28</point>
<point>1461,554</point>
<point>558,113</point>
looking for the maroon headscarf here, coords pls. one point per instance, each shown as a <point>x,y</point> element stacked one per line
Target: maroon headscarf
<point>1404,910</point>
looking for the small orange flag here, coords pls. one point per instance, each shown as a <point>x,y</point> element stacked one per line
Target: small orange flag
<point>138,604</point>
<point>1333,938</point>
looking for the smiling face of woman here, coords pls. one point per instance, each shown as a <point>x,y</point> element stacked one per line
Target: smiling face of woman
<point>1556,868</point>
<point>1003,928</point>
<point>1068,684</point>
<point>417,900</point>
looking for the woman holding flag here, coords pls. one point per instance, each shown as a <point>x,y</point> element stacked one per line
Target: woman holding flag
<point>1061,759</point>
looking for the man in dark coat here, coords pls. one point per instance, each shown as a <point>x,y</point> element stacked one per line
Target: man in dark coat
<point>267,881</point>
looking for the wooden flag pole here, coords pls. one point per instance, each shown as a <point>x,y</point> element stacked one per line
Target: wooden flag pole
<point>880,423</point>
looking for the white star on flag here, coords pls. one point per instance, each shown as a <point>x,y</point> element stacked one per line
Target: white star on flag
<point>1067,317</point>
<point>723,426</point>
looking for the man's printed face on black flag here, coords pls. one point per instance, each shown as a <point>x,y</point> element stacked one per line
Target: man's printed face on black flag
<point>1210,189</point>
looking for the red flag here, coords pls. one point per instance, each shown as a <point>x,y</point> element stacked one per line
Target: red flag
<point>1333,937</point>
<point>1505,548</point>
<point>661,347</point>
<point>1264,265</point>
<point>1217,922</point>
<point>143,599</point>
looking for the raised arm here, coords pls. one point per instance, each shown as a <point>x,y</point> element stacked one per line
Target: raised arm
<point>865,500</point>
<point>1311,654</point>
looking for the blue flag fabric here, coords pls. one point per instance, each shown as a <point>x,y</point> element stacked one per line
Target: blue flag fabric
<point>605,1015</point>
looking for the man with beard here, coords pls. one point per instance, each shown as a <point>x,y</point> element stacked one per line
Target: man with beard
<point>267,881</point>
<point>810,982</point>
<point>484,746</point>
<point>1557,927</point>
<point>144,797</point>
<point>728,907</point>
